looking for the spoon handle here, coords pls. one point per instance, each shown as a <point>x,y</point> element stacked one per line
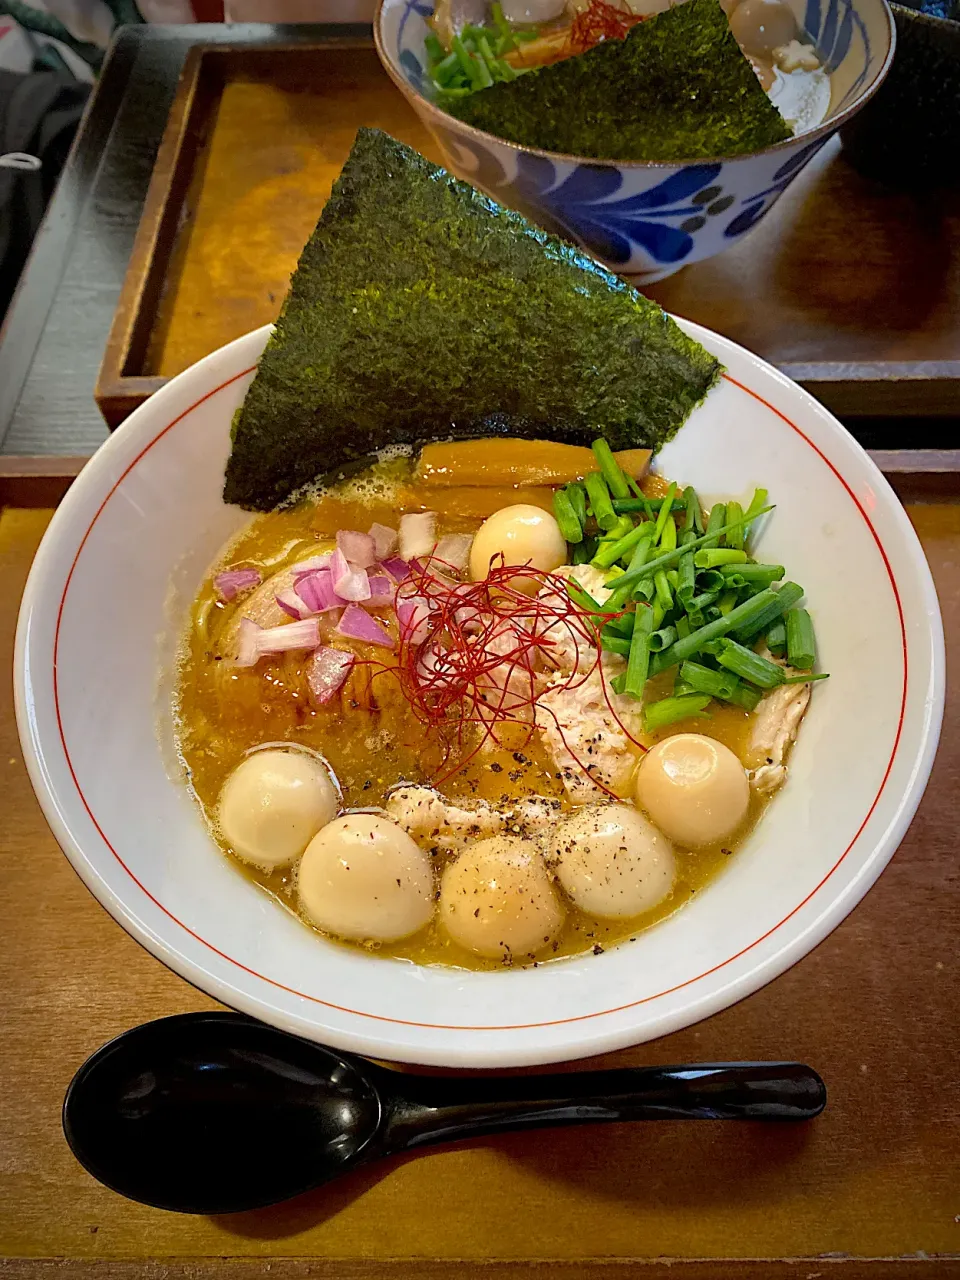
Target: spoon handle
<point>430,1109</point>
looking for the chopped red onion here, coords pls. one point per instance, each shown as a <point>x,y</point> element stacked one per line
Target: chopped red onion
<point>313,562</point>
<point>356,624</point>
<point>417,534</point>
<point>413,616</point>
<point>384,540</point>
<point>248,647</point>
<point>350,582</point>
<point>292,604</point>
<point>326,672</point>
<point>231,582</point>
<point>398,569</point>
<point>289,635</point>
<point>453,550</point>
<point>357,548</point>
<point>382,591</point>
<point>316,591</point>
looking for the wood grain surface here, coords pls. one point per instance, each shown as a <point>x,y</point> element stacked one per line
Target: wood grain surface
<point>871,1188</point>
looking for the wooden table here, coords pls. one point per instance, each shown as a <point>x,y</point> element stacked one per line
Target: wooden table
<point>871,1189</point>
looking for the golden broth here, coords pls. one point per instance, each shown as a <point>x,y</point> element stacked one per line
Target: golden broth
<point>368,734</point>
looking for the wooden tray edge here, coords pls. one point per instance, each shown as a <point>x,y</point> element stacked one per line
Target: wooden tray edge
<point>118,393</point>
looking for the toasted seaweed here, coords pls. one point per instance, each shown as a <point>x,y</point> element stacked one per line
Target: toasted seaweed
<point>421,309</point>
<point>678,87</point>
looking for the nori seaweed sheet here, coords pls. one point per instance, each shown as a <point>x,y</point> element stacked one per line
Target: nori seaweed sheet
<point>678,87</point>
<point>421,309</point>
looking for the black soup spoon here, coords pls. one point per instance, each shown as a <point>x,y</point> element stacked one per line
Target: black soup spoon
<point>217,1113</point>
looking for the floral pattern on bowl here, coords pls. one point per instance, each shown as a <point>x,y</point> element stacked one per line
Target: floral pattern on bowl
<point>646,220</point>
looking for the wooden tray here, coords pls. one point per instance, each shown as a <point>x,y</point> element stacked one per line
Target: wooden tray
<point>850,289</point>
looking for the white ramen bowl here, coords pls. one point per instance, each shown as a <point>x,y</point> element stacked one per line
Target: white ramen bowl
<point>108,595</point>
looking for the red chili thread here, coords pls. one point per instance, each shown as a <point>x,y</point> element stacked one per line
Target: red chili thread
<point>600,22</point>
<point>478,662</point>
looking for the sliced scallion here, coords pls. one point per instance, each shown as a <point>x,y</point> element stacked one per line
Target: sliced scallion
<point>570,527</point>
<point>694,520</point>
<point>718,684</point>
<point>717,524</point>
<point>750,666</point>
<point>736,535</point>
<point>657,715</point>
<point>801,645</point>
<point>776,638</point>
<point>638,662</point>
<point>610,551</point>
<point>610,469</point>
<point>776,603</point>
<point>712,558</point>
<point>598,496</point>
<point>664,515</point>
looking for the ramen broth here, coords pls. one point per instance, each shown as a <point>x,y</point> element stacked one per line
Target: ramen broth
<point>368,735</point>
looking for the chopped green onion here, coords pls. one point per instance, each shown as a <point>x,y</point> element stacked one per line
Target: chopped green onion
<point>435,50</point>
<point>801,645</point>
<point>750,666</point>
<point>570,527</point>
<point>662,639</point>
<point>681,686</point>
<point>694,520</point>
<point>444,69</point>
<point>683,627</point>
<point>598,496</point>
<point>717,524</point>
<point>777,603</point>
<point>659,613</point>
<point>610,469</point>
<point>668,539</point>
<point>578,500</point>
<point>719,684</point>
<point>814,675</point>
<point>583,552</point>
<point>711,580</point>
<point>626,506</point>
<point>502,25</point>
<point>727,601</point>
<point>598,614</point>
<point>623,526</point>
<point>762,573</point>
<point>467,63</point>
<point>657,715</point>
<point>757,503</point>
<point>740,617</point>
<point>633,576</point>
<point>686,579</point>
<point>673,578</point>
<point>664,515</point>
<point>616,644</point>
<point>608,553</point>
<point>639,660</point>
<point>712,559</point>
<point>621,626</point>
<point>776,638</point>
<point>662,588</point>
<point>745,695</point>
<point>702,601</point>
<point>736,535</point>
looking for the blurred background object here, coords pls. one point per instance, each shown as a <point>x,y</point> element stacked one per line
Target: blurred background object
<point>908,136</point>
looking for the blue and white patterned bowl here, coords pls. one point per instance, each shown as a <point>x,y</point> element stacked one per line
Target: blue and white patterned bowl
<point>645,221</point>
